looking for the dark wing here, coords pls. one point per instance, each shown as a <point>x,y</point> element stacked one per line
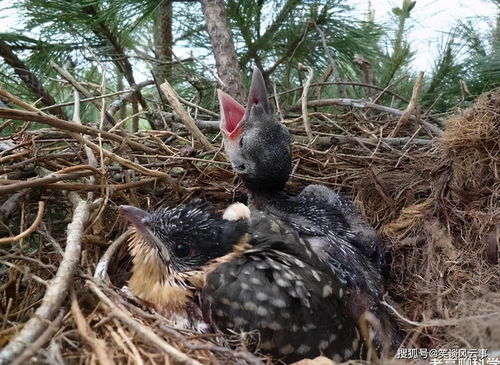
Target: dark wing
<point>330,236</point>
<point>294,303</point>
<point>365,238</point>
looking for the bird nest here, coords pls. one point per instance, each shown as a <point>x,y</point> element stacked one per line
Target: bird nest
<point>433,195</point>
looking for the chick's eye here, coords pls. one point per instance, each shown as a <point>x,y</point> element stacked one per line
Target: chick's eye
<point>181,250</point>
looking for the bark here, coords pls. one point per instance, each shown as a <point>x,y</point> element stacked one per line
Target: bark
<point>367,72</point>
<point>223,46</point>
<point>29,78</point>
<point>163,40</point>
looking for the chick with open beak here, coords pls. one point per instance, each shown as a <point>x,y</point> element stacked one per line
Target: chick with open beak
<point>251,275</point>
<point>258,146</point>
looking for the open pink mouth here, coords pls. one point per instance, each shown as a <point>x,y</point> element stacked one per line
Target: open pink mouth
<point>231,115</point>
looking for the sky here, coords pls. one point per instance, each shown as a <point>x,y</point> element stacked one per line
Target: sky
<point>429,22</point>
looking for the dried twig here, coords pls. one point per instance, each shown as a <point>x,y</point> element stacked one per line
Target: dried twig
<point>305,91</point>
<point>58,288</point>
<point>80,89</point>
<point>101,269</point>
<point>25,271</point>
<point>36,116</point>
<point>127,95</point>
<point>417,89</point>
<point>128,163</point>
<point>30,230</point>
<point>40,341</point>
<point>348,83</point>
<point>98,345</point>
<point>338,139</point>
<point>52,178</point>
<point>212,71</point>
<point>244,355</point>
<point>142,330</point>
<point>190,124</point>
<point>333,64</point>
<point>362,104</point>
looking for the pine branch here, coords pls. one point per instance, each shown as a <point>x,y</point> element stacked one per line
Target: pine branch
<point>282,16</point>
<point>29,78</point>
<point>120,59</point>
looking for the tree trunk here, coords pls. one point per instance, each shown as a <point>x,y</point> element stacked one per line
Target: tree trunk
<point>222,43</point>
<point>163,40</point>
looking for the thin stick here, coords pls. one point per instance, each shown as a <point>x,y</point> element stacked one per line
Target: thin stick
<point>90,187</point>
<point>15,185</point>
<point>128,163</point>
<point>212,71</point>
<point>362,104</point>
<point>58,287</point>
<point>305,91</point>
<point>37,116</point>
<point>25,271</point>
<point>348,83</point>
<point>173,99</point>
<point>417,89</point>
<point>196,106</point>
<point>40,341</point>
<point>7,95</point>
<point>98,346</point>
<point>277,102</point>
<point>69,103</point>
<point>81,89</point>
<point>30,230</point>
<point>101,269</point>
<point>333,63</point>
<point>142,330</point>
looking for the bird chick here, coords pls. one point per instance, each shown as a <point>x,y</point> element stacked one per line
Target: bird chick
<point>258,146</point>
<point>276,285</point>
<point>259,278</point>
<point>167,248</point>
<point>323,218</point>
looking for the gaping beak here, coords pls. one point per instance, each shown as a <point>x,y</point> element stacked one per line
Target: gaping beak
<point>137,218</point>
<point>233,114</point>
<point>258,92</point>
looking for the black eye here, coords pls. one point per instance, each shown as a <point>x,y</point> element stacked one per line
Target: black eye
<point>181,250</point>
<point>241,142</point>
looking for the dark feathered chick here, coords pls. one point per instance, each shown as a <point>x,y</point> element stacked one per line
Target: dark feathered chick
<point>328,221</point>
<point>167,248</point>
<point>258,147</point>
<point>259,278</point>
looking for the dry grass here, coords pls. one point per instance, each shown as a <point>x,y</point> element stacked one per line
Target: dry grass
<point>435,200</point>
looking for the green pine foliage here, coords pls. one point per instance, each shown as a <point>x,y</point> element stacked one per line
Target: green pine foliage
<point>94,40</point>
